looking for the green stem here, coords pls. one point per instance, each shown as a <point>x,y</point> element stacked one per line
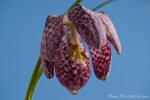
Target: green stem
<point>101,5</point>
<point>78,1</point>
<point>36,82</point>
<point>36,69</point>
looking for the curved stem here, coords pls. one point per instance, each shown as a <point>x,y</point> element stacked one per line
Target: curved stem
<point>74,4</point>
<point>36,69</point>
<point>36,82</point>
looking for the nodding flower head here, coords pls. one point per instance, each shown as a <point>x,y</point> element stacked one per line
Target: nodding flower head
<point>62,47</point>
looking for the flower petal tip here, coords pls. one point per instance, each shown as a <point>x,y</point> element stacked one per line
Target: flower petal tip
<point>103,78</point>
<point>118,52</point>
<point>73,92</point>
<point>50,76</point>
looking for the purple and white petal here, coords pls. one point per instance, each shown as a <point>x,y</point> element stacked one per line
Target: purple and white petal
<point>111,32</point>
<point>73,78</point>
<point>89,26</point>
<point>51,37</point>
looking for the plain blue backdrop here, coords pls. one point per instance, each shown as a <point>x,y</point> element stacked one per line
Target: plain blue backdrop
<point>21,26</point>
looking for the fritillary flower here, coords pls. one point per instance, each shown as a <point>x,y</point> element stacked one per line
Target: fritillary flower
<point>63,47</point>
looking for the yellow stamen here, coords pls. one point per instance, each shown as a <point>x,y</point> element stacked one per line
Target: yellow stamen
<point>72,54</point>
<point>81,60</point>
<point>75,46</point>
<point>84,56</point>
<point>78,55</point>
<point>75,60</point>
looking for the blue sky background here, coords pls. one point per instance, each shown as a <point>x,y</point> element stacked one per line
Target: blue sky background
<point>21,26</point>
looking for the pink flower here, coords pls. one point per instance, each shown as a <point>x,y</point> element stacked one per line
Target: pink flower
<point>63,49</point>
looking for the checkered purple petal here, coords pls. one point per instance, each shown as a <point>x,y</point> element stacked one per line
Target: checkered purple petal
<point>73,78</point>
<point>101,61</point>
<point>89,26</point>
<point>111,32</point>
<point>51,38</point>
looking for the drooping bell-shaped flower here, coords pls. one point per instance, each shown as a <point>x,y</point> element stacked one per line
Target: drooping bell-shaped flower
<point>63,49</point>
